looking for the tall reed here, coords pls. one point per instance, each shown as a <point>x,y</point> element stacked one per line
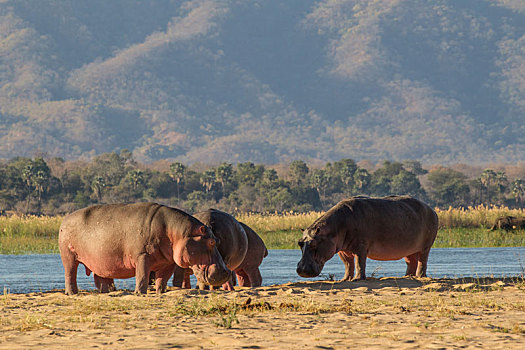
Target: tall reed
<point>459,227</point>
<point>479,216</point>
<point>29,234</point>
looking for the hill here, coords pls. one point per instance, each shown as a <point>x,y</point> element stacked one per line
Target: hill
<point>264,81</point>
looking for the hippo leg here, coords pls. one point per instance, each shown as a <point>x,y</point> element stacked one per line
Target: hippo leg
<point>255,277</point>
<point>203,286</point>
<point>142,270</point>
<point>104,285</point>
<point>179,275</point>
<point>186,284</point>
<point>348,260</point>
<point>243,278</point>
<point>360,264</point>
<point>162,278</point>
<point>228,285</point>
<point>70,272</point>
<point>412,262</point>
<point>422,263</point>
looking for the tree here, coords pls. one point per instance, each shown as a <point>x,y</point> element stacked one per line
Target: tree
<point>270,176</point>
<point>297,172</point>
<point>177,172</point>
<point>223,174</point>
<point>414,167</point>
<point>406,183</point>
<point>28,174</point>
<point>320,181</point>
<point>361,180</point>
<point>486,179</point>
<point>248,173</point>
<point>36,176</point>
<point>501,183</point>
<point>207,180</point>
<point>97,185</point>
<point>135,179</point>
<point>448,187</point>
<point>518,190</point>
<point>345,170</point>
<point>41,179</point>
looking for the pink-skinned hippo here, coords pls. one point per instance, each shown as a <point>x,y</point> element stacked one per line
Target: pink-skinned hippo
<point>233,244</point>
<point>247,272</point>
<point>388,228</point>
<point>126,240</point>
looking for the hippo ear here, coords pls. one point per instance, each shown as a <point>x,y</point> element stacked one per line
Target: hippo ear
<point>202,229</point>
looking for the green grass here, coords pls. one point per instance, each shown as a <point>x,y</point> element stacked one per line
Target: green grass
<point>478,237</point>
<point>38,235</point>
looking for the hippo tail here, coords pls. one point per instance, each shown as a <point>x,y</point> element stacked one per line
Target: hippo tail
<point>265,252</point>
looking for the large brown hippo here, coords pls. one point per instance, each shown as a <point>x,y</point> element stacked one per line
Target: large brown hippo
<point>126,240</point>
<point>233,244</point>
<point>388,228</point>
<point>509,223</point>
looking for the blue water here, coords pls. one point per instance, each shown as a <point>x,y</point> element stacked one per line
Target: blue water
<point>35,273</point>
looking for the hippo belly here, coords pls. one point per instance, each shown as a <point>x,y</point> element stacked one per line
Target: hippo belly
<point>384,251</point>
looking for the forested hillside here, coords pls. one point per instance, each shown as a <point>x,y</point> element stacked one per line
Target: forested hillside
<point>264,81</point>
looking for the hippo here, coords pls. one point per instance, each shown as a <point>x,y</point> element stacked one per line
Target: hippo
<point>126,240</point>
<point>233,244</point>
<point>387,228</point>
<point>509,223</point>
<point>248,273</point>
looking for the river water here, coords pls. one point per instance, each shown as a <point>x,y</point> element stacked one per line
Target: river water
<point>35,273</point>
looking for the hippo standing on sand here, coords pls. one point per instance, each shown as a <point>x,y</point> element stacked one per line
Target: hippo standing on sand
<point>126,240</point>
<point>232,244</point>
<point>388,228</point>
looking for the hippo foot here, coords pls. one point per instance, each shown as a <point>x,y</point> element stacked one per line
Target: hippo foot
<point>359,279</point>
<point>71,291</point>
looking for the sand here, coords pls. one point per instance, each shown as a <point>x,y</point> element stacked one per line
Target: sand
<point>397,313</point>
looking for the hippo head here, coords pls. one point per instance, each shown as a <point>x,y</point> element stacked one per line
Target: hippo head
<point>198,251</point>
<point>317,246</point>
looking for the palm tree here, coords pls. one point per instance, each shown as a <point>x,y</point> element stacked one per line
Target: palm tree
<point>223,175</point>
<point>177,172</point>
<point>28,174</point>
<point>486,179</point>
<point>320,181</point>
<point>97,185</point>
<point>518,189</point>
<point>208,180</point>
<point>361,180</point>
<point>135,178</point>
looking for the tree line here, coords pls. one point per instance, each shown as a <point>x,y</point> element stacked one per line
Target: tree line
<point>42,185</point>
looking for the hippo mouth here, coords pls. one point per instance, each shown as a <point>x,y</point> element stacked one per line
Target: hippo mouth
<point>210,275</point>
<point>309,268</point>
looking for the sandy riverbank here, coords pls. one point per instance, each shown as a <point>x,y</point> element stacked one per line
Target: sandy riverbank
<point>398,313</point>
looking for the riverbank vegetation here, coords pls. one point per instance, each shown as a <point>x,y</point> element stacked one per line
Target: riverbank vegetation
<point>53,186</point>
<point>470,227</point>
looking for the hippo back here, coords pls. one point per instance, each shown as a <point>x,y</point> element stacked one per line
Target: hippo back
<point>233,242</point>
